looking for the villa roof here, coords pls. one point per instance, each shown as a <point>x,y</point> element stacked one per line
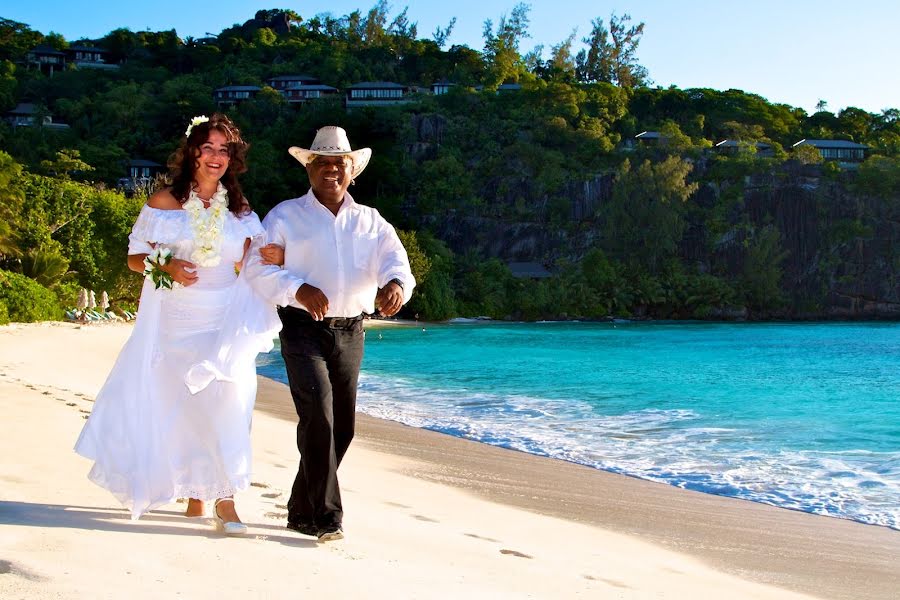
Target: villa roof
<point>140,162</point>
<point>23,108</point>
<point>311,87</point>
<point>368,85</point>
<point>830,144</point>
<point>239,88</point>
<point>86,49</point>
<point>736,143</point>
<point>45,49</point>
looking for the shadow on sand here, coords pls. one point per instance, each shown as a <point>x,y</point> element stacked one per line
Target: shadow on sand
<point>157,522</point>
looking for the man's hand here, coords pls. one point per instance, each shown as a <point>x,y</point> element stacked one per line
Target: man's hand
<point>182,271</point>
<point>312,298</point>
<point>389,299</point>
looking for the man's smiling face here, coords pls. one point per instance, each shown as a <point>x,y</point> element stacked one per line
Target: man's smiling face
<point>330,177</point>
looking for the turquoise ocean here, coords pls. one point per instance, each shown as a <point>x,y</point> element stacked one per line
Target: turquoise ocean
<point>801,416</point>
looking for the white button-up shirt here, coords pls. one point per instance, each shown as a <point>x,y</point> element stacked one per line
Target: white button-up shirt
<point>348,256</point>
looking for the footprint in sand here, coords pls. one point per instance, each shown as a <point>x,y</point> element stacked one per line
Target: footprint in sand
<point>271,495</point>
<point>611,582</point>
<point>481,537</point>
<point>11,568</point>
<point>71,404</point>
<point>258,484</point>
<point>281,506</point>
<point>426,519</point>
<point>398,505</point>
<point>84,411</point>
<point>515,553</point>
<point>46,393</point>
<point>276,515</point>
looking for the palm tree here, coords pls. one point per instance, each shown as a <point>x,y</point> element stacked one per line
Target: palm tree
<point>47,267</point>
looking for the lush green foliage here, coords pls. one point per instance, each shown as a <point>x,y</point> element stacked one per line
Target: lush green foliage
<point>474,178</point>
<point>64,235</point>
<point>25,300</point>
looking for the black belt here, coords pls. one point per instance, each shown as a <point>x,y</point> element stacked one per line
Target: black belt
<point>329,322</point>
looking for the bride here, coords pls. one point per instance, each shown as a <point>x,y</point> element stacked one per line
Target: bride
<point>173,418</point>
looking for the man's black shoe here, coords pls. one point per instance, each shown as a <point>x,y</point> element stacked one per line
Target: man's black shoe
<point>331,533</point>
<point>304,528</point>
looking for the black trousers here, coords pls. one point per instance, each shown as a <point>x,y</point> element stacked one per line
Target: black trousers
<point>322,363</point>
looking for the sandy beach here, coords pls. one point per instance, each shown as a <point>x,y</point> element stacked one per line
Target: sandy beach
<point>427,516</point>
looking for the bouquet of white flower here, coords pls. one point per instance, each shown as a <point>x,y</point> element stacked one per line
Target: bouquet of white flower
<point>152,268</point>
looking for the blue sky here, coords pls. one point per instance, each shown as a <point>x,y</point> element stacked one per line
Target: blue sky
<point>792,51</point>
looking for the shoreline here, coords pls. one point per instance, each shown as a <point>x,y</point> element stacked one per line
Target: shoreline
<point>428,514</point>
<point>738,536</point>
<point>785,321</point>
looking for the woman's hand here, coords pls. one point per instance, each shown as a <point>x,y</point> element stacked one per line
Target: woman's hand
<point>181,271</point>
<point>272,254</point>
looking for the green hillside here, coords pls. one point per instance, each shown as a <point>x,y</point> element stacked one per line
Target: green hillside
<point>523,190</point>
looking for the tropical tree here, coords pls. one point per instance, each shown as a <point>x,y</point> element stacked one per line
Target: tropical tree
<point>761,276</point>
<point>644,221</point>
<point>501,47</point>
<point>611,55</point>
<point>441,36</point>
<point>561,65</point>
<point>11,197</point>
<point>806,154</point>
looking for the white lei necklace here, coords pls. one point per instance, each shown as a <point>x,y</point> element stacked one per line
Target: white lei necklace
<point>207,224</point>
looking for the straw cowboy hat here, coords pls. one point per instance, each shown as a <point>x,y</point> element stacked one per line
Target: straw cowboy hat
<point>332,141</point>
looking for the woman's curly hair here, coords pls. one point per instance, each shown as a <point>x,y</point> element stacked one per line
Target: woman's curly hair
<point>184,162</point>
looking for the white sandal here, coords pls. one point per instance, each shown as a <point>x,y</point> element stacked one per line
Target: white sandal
<point>229,527</point>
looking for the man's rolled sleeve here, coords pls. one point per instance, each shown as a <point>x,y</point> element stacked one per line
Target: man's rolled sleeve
<point>278,286</point>
<point>393,261</point>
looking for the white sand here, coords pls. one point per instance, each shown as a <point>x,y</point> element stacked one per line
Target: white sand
<point>407,537</point>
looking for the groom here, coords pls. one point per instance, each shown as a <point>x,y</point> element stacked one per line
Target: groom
<point>341,259</point>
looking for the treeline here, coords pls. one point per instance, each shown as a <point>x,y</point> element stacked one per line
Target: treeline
<point>57,236</point>
<point>449,169</point>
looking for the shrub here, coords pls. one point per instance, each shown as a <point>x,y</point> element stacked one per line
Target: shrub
<point>67,293</point>
<point>26,300</point>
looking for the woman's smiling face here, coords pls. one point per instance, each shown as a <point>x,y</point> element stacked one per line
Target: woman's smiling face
<point>214,156</point>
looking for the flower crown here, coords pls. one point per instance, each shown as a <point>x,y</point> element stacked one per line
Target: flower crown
<point>194,122</point>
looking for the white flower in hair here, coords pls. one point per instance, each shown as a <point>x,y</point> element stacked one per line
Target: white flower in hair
<point>194,122</point>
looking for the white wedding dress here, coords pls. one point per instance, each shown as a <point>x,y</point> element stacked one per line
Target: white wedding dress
<point>173,418</point>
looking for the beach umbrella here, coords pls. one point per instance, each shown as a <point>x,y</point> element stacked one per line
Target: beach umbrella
<point>82,299</point>
<point>104,300</point>
<point>92,300</point>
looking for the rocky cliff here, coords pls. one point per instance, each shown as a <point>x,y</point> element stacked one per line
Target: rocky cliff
<point>841,249</point>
